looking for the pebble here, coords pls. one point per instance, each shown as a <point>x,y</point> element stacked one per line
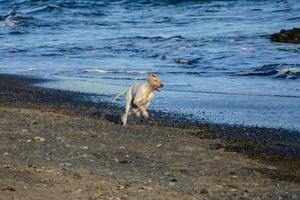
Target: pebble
<point>174,180</point>
<point>203,191</point>
<point>77,176</point>
<point>39,139</point>
<point>147,188</point>
<point>65,164</point>
<point>9,188</point>
<point>171,183</point>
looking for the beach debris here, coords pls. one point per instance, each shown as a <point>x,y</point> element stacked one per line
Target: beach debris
<point>9,188</point>
<point>119,188</point>
<point>122,161</point>
<point>5,153</point>
<point>272,167</point>
<point>173,180</point>
<point>24,131</point>
<point>66,164</point>
<point>39,139</point>
<point>125,197</point>
<point>84,155</point>
<point>200,190</point>
<point>232,173</point>
<point>6,166</point>
<point>77,176</point>
<point>146,188</point>
<point>203,191</point>
<point>158,145</point>
<point>171,183</point>
<point>78,190</point>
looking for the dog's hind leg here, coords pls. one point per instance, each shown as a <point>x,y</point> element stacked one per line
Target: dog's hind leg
<point>127,109</point>
<point>126,114</point>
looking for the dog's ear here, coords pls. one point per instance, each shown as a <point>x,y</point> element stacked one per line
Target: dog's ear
<point>151,74</point>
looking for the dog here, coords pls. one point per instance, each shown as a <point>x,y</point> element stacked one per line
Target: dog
<point>139,97</point>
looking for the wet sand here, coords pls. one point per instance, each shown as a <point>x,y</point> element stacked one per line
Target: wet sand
<point>56,145</point>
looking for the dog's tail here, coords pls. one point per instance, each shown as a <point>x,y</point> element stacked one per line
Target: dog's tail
<point>119,95</point>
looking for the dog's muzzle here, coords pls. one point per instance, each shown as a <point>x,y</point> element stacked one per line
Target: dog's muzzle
<point>160,87</point>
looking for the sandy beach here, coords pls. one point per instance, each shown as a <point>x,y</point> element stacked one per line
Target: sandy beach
<point>54,145</point>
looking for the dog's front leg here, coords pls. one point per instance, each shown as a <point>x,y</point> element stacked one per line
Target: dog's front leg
<point>136,111</point>
<point>140,105</point>
<point>144,112</point>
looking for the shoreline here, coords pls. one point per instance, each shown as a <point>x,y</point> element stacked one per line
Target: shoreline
<point>273,153</point>
<point>228,132</point>
<point>228,108</point>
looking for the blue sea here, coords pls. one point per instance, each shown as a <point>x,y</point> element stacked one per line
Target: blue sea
<point>215,57</point>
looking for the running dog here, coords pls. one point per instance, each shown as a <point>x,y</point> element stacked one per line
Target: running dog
<point>139,96</point>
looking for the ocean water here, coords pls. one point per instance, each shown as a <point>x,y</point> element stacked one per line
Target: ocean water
<point>215,57</point>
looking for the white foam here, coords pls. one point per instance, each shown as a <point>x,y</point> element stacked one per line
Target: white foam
<point>9,21</point>
<point>288,72</point>
<point>122,71</point>
<point>31,69</point>
<point>131,71</point>
<point>96,70</point>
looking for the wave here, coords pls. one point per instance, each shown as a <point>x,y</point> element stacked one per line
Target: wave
<point>12,19</point>
<point>193,73</point>
<point>282,10</point>
<point>291,49</point>
<point>294,18</point>
<point>187,61</point>
<point>46,8</point>
<point>19,19</point>
<point>152,39</point>
<point>114,71</point>
<point>290,73</point>
<point>232,93</point>
<point>123,78</point>
<point>276,70</point>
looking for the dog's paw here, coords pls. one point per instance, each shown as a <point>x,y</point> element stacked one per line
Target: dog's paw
<point>138,113</point>
<point>146,115</point>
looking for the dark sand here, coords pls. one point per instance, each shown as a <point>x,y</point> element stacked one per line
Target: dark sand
<point>54,145</point>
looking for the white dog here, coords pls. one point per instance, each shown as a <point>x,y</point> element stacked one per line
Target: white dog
<point>139,96</point>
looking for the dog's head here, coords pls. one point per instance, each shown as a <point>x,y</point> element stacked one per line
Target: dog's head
<point>154,82</point>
